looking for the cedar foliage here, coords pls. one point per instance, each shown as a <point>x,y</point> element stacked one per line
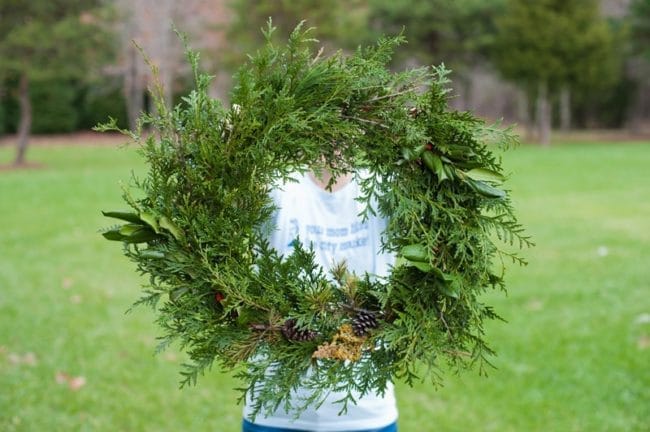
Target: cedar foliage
<point>197,225</point>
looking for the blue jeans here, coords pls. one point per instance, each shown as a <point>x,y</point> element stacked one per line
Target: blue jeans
<point>250,427</point>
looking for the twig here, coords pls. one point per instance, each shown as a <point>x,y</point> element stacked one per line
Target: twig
<point>358,309</point>
<point>376,98</point>
<point>262,327</point>
<point>320,51</point>
<point>458,353</point>
<point>376,123</point>
<point>442,318</point>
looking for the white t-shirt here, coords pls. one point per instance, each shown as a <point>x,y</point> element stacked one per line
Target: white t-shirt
<point>330,223</point>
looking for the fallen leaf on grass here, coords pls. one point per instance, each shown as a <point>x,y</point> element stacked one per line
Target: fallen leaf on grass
<point>67,282</point>
<point>27,359</point>
<point>61,377</point>
<point>75,299</point>
<point>643,342</point>
<point>30,359</point>
<point>76,383</point>
<point>73,383</point>
<point>535,305</point>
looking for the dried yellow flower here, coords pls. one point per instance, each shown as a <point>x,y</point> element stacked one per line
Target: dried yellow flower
<point>345,345</point>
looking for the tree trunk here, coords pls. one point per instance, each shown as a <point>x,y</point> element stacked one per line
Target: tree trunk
<point>167,54</point>
<point>25,126</point>
<point>466,89</point>
<point>162,52</point>
<point>543,114</point>
<point>523,114</point>
<point>133,88</point>
<point>565,108</point>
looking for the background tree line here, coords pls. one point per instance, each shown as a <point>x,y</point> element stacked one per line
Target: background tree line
<point>67,64</point>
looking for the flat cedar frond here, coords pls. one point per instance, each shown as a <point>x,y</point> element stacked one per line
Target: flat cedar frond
<point>227,297</point>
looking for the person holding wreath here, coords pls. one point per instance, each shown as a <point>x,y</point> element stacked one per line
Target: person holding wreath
<point>327,219</point>
<point>390,295</point>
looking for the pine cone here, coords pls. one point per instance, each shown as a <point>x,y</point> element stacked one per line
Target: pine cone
<point>363,322</point>
<point>293,333</point>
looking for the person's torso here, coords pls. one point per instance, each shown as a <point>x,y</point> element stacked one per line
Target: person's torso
<point>330,224</point>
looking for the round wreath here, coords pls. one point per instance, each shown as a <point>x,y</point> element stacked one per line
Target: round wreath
<point>228,297</point>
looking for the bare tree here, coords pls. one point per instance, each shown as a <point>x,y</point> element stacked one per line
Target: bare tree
<point>149,25</point>
<point>146,25</point>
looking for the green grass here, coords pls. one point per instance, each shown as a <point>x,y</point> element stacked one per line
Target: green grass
<point>574,355</point>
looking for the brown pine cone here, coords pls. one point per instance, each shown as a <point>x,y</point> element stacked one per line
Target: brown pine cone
<point>293,333</point>
<point>363,322</point>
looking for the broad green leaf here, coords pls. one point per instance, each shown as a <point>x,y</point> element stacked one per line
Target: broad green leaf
<point>485,189</point>
<point>422,266</point>
<point>450,171</point>
<point>150,220</point>
<point>415,252</point>
<point>165,223</point>
<point>141,236</point>
<point>450,289</point>
<point>451,286</point>
<point>442,275</point>
<point>434,163</point>
<point>114,235</point>
<point>125,216</point>
<point>130,229</point>
<point>484,174</point>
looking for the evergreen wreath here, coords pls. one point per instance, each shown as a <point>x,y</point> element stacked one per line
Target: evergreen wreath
<point>282,322</point>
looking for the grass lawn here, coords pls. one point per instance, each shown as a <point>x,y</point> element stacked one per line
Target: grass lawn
<point>574,355</point>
